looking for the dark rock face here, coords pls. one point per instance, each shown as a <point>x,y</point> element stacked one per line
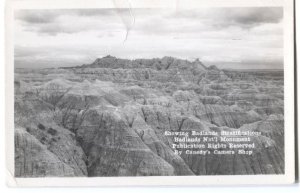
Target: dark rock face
<point>46,157</point>
<point>109,118</point>
<point>141,151</point>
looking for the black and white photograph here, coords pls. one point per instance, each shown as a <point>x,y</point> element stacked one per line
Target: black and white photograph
<point>149,91</point>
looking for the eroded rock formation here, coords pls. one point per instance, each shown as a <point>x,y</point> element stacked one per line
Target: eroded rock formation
<point>109,118</point>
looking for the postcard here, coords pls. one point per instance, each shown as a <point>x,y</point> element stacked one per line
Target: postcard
<point>137,92</point>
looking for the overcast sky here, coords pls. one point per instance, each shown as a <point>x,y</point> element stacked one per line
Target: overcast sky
<point>244,38</point>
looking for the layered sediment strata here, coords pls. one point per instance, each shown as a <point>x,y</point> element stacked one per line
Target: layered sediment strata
<point>109,118</point>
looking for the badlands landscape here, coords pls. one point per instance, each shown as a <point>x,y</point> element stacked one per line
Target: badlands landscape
<point>109,118</point>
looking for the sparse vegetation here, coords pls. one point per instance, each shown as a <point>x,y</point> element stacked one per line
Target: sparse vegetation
<point>41,126</point>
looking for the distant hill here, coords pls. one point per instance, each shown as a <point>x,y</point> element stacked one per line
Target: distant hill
<point>163,63</point>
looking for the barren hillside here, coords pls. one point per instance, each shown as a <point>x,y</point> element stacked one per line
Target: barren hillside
<point>110,118</point>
